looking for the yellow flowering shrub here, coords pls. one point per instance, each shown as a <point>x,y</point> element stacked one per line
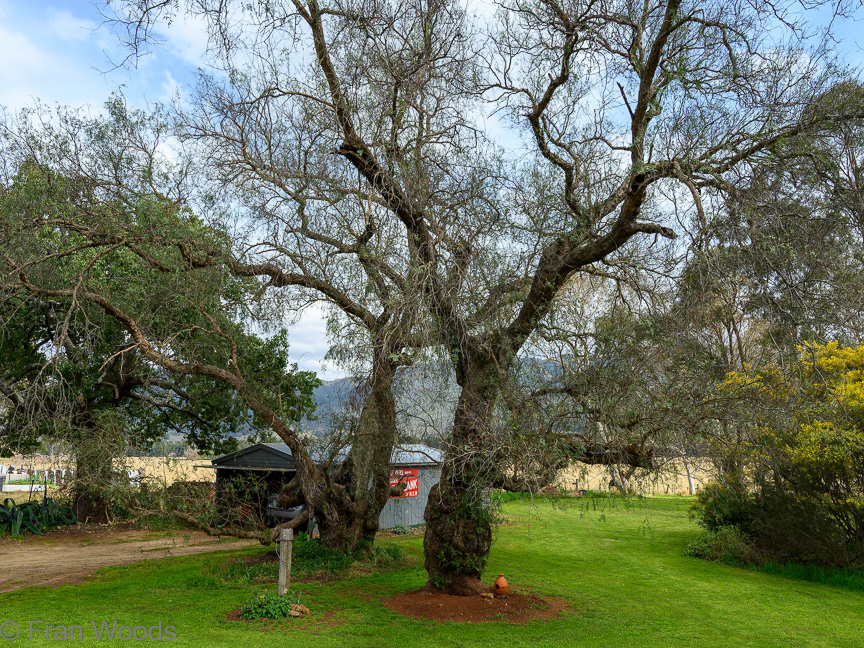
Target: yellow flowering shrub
<point>799,439</point>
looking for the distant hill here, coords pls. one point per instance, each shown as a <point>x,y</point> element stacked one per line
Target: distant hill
<point>330,398</point>
<point>424,405</point>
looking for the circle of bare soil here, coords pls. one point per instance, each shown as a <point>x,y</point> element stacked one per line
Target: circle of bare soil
<point>517,607</point>
<point>328,619</point>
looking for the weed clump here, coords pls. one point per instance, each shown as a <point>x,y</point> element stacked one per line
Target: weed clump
<point>265,605</point>
<point>34,517</point>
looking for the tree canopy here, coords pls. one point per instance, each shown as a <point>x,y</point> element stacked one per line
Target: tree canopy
<point>71,373</point>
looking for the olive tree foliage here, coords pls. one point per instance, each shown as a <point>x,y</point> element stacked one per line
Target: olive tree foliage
<point>633,122</point>
<point>93,229</point>
<point>633,390</point>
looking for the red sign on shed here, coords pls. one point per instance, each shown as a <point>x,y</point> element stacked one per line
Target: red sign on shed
<point>408,476</point>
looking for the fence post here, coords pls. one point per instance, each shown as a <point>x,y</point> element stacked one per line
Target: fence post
<point>286,546</point>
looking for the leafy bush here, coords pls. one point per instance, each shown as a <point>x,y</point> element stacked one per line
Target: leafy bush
<point>265,605</point>
<point>725,544</point>
<point>800,445</point>
<point>717,506</point>
<point>35,517</point>
<point>804,527</point>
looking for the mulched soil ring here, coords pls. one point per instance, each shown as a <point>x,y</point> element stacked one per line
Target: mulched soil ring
<point>518,607</point>
<point>328,620</point>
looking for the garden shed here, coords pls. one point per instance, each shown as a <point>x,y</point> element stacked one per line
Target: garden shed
<point>418,466</point>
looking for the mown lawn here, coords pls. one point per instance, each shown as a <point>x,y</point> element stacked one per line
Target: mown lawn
<point>621,567</point>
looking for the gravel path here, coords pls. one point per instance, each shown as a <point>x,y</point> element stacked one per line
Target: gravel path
<point>63,558</point>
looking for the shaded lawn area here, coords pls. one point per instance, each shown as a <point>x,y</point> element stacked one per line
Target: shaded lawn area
<point>620,567</point>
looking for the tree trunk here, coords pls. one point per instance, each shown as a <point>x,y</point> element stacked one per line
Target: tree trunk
<point>347,504</point>
<point>690,483</point>
<point>458,520</point>
<point>621,480</point>
<point>94,475</point>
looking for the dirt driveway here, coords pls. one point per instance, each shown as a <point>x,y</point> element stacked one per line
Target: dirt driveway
<point>62,558</point>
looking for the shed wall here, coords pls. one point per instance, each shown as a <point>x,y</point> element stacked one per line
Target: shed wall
<point>408,511</point>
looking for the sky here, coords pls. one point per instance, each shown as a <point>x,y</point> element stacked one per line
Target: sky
<point>63,52</point>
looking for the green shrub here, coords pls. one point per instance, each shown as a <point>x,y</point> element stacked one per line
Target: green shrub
<point>717,506</point>
<point>780,522</point>
<point>726,545</point>
<point>799,441</point>
<point>265,605</point>
<point>803,527</point>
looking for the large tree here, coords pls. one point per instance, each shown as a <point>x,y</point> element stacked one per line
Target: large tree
<point>71,374</point>
<point>635,119</point>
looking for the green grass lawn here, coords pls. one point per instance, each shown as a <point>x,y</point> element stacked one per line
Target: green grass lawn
<point>621,568</point>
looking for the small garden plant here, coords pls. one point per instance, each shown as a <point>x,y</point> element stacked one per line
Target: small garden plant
<point>266,605</point>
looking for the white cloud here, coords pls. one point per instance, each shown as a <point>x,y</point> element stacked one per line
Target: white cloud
<point>23,63</point>
<point>71,28</point>
<point>51,55</point>
<point>186,38</point>
<point>169,87</point>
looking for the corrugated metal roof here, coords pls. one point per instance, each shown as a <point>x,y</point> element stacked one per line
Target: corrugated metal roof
<point>279,447</point>
<point>408,454</point>
<point>260,455</point>
<point>416,454</point>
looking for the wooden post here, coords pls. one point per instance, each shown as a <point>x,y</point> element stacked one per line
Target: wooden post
<point>286,546</point>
